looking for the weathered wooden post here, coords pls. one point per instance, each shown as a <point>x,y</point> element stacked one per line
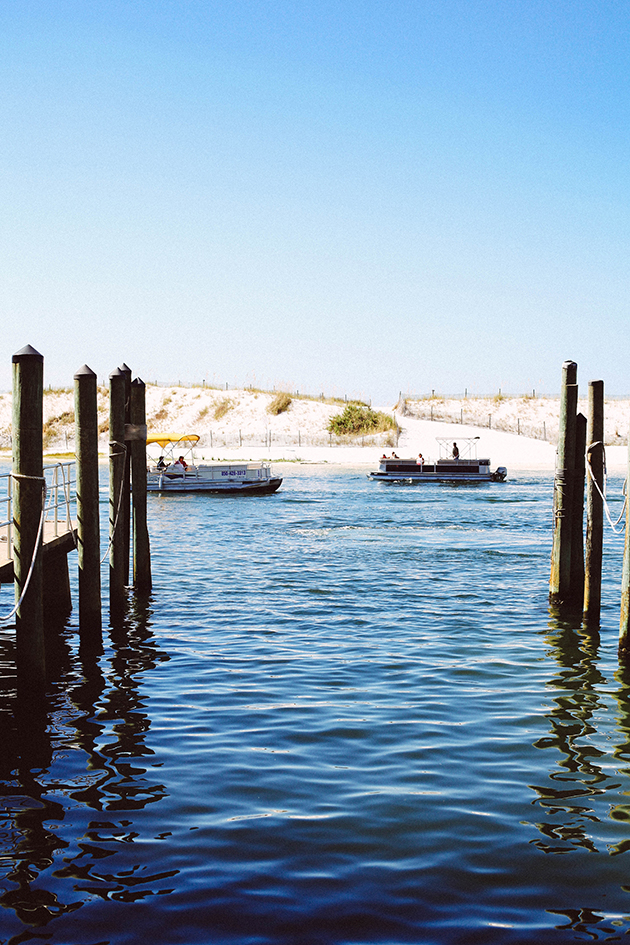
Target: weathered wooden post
<point>88,528</point>
<point>117,452</point>
<point>126,506</point>
<point>28,496</point>
<point>577,514</point>
<point>594,504</point>
<point>624,622</point>
<point>560,580</point>
<point>137,434</point>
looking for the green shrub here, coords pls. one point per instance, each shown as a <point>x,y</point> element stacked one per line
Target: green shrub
<point>358,419</point>
<point>279,404</point>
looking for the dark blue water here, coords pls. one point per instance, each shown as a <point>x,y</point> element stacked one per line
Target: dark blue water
<point>345,715</point>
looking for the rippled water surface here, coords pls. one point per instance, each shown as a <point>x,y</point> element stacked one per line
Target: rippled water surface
<point>345,715</point>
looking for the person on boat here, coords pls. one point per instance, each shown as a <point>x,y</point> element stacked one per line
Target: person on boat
<point>420,459</point>
<point>180,463</point>
<point>455,451</point>
<point>394,456</point>
<point>160,463</point>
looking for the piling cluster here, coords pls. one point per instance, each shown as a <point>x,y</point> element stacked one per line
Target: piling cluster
<point>41,592</point>
<point>576,561</point>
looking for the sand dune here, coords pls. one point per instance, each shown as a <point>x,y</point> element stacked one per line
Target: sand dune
<point>236,423</point>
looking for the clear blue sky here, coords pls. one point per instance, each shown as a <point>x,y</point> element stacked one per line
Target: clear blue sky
<point>354,197</point>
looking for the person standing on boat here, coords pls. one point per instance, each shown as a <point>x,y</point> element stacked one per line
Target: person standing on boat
<point>455,451</point>
<point>420,460</point>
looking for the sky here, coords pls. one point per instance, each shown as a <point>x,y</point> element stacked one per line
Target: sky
<point>355,198</point>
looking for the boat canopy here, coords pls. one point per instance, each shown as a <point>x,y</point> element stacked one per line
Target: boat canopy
<point>171,439</point>
<point>467,446</point>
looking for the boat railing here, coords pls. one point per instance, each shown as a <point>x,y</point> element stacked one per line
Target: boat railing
<point>210,470</point>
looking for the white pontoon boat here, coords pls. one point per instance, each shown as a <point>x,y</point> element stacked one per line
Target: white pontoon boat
<point>176,470</point>
<point>457,463</point>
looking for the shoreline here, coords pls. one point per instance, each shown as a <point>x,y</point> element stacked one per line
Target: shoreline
<point>518,433</point>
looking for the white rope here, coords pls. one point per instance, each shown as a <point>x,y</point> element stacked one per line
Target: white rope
<point>35,549</point>
<point>624,490</point>
<point>120,495</point>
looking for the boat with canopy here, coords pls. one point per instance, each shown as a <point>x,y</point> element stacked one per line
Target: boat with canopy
<point>457,464</point>
<point>176,469</point>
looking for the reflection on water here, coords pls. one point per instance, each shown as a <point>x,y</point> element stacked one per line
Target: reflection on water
<point>345,716</point>
<point>578,776</point>
<point>98,723</point>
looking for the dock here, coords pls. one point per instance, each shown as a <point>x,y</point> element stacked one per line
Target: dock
<point>50,510</point>
<point>59,533</point>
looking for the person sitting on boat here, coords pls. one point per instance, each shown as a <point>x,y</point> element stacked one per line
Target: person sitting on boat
<point>180,464</point>
<point>161,464</point>
<point>455,451</point>
<point>420,459</point>
<point>394,456</point>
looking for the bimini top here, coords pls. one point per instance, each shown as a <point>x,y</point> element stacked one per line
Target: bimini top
<point>167,439</point>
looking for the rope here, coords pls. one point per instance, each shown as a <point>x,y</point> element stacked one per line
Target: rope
<point>121,452</point>
<point>624,491</point>
<point>36,547</point>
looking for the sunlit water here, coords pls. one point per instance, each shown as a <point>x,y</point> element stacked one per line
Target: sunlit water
<point>345,716</point>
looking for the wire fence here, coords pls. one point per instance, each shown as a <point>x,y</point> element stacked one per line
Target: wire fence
<point>429,410</point>
<point>503,418</point>
<point>298,438</point>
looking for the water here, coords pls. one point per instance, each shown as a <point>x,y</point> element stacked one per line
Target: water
<point>344,716</point>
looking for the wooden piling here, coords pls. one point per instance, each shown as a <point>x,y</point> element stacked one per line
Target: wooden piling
<point>137,441</point>
<point>577,515</point>
<point>56,589</point>
<point>126,506</point>
<point>88,527</point>
<point>624,622</point>
<point>560,579</point>
<point>594,504</point>
<point>28,491</point>
<point>117,452</point>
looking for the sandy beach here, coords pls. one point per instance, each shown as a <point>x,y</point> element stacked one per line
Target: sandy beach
<point>516,432</point>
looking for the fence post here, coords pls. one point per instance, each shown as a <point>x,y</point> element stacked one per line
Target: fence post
<point>88,528</point>
<point>28,490</point>
<point>117,452</point>
<point>138,443</point>
<point>560,578</point>
<point>594,504</point>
